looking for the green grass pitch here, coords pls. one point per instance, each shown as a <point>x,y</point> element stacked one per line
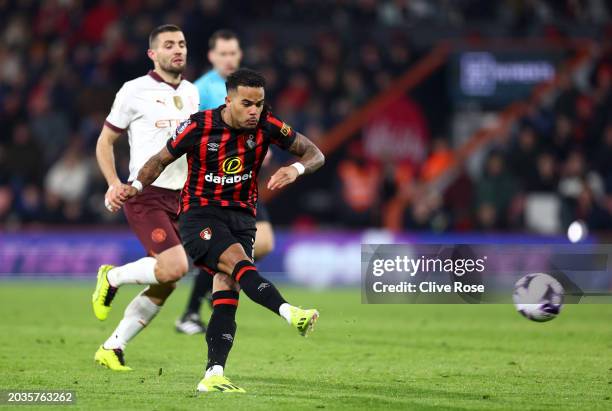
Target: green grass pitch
<point>424,357</point>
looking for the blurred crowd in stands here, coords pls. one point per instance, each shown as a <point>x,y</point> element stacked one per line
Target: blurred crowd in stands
<point>63,61</point>
<point>553,167</point>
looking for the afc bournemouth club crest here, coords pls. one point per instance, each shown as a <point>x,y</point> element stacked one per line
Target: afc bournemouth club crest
<point>206,234</point>
<point>251,141</point>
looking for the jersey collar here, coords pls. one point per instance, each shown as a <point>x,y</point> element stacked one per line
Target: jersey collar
<point>159,79</point>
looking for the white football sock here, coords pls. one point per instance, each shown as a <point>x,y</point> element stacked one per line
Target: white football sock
<point>138,272</point>
<point>285,311</point>
<point>137,315</point>
<point>214,370</point>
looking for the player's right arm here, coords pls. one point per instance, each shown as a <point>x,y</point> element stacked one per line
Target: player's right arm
<point>106,161</point>
<point>118,120</point>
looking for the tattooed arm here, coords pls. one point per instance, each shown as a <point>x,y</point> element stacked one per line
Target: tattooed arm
<point>151,170</point>
<point>154,167</point>
<point>310,156</point>
<point>311,159</point>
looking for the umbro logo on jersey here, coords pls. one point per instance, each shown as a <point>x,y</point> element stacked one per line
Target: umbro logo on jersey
<point>213,146</point>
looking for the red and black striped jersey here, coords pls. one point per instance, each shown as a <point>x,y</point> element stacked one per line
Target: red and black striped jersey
<point>223,163</point>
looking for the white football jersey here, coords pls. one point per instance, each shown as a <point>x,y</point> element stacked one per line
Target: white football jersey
<point>150,110</point>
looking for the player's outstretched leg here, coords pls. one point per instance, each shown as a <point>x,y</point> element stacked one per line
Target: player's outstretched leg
<point>263,292</point>
<point>190,322</point>
<point>220,336</point>
<point>168,267</point>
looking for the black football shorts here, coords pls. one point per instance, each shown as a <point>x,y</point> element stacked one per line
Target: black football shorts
<point>262,213</point>
<point>208,231</point>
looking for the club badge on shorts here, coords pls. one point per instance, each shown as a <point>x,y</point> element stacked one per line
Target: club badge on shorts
<point>158,235</point>
<point>206,234</point>
<point>178,102</point>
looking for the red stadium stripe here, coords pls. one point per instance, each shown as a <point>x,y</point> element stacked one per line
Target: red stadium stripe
<point>243,270</point>
<point>227,301</point>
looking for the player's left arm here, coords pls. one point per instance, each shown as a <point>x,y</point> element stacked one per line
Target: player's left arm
<point>311,159</point>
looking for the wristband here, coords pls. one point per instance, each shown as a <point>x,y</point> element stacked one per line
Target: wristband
<point>137,185</point>
<point>299,167</point>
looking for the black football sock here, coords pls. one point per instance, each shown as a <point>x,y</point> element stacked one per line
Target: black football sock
<point>222,327</point>
<point>202,283</point>
<point>257,288</point>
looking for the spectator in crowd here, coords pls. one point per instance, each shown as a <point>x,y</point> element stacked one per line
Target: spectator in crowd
<point>546,179</point>
<point>494,193</point>
<point>359,188</point>
<point>6,203</point>
<point>67,182</point>
<point>440,158</point>
<point>523,157</point>
<point>24,158</point>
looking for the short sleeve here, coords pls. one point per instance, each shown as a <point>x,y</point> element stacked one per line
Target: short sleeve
<point>122,112</point>
<point>186,136</point>
<point>281,134</point>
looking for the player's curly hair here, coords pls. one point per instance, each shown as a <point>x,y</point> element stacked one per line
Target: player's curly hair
<point>244,77</point>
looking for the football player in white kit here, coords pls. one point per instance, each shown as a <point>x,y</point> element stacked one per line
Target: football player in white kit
<point>149,108</point>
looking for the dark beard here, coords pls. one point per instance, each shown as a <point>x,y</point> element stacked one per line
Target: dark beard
<point>170,69</point>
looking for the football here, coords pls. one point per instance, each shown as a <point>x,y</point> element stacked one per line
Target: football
<point>538,297</point>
